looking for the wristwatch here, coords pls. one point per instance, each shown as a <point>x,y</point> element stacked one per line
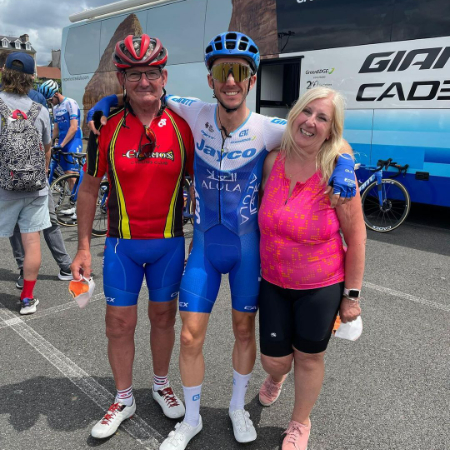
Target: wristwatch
<point>352,294</point>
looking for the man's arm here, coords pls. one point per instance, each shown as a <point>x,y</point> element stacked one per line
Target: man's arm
<point>346,148</point>
<point>341,185</point>
<point>181,105</point>
<point>46,136</point>
<point>55,132</point>
<point>104,106</point>
<point>86,204</point>
<point>70,132</point>
<point>48,154</point>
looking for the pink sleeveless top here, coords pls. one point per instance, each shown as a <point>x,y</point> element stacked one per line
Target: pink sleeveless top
<point>301,247</point>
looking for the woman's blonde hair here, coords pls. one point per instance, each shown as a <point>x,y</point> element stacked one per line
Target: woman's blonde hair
<point>331,148</point>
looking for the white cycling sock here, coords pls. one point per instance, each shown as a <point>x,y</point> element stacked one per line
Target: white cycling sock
<point>240,384</point>
<point>192,399</point>
<point>159,382</point>
<point>125,396</point>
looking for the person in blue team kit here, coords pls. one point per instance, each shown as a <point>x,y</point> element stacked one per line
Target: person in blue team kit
<point>66,118</point>
<point>231,145</point>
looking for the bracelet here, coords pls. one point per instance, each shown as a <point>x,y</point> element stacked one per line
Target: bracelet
<point>353,299</point>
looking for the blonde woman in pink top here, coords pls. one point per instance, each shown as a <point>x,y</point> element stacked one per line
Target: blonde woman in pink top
<point>308,275</point>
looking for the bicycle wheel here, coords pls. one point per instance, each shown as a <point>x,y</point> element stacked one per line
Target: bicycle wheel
<point>64,191</point>
<point>394,209</point>
<point>100,224</point>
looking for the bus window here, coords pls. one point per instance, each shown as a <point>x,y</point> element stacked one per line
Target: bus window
<point>82,49</point>
<point>180,27</point>
<point>112,24</point>
<point>415,19</point>
<point>314,25</point>
<point>278,87</point>
<point>218,17</point>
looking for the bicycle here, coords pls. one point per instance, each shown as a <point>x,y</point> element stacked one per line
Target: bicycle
<point>65,187</point>
<point>386,202</point>
<point>99,227</point>
<point>100,224</point>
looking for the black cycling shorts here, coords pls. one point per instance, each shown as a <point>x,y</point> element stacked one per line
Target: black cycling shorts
<point>300,319</point>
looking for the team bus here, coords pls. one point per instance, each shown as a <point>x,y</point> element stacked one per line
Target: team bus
<point>390,59</point>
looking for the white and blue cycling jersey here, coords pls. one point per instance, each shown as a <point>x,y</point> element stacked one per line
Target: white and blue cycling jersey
<point>227,171</point>
<point>227,177</point>
<point>63,113</point>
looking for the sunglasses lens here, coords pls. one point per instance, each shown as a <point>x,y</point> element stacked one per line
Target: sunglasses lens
<point>146,149</point>
<point>150,134</point>
<point>240,72</point>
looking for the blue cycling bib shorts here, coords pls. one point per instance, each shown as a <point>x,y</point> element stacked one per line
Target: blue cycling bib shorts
<point>127,261</point>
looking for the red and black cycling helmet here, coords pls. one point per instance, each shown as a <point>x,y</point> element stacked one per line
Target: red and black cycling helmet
<point>139,51</point>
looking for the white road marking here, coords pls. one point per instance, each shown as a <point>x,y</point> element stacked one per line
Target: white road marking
<point>135,427</point>
<point>52,310</point>
<point>405,296</point>
<point>56,309</point>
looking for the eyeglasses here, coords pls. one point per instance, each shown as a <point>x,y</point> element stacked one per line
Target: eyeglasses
<point>241,72</point>
<point>146,149</point>
<point>136,76</point>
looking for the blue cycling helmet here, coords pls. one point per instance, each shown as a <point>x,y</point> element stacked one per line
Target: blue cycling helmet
<point>48,89</point>
<point>232,43</point>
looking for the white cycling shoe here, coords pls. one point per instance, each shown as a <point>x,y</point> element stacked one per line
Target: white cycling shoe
<point>115,415</point>
<point>68,212</point>
<point>243,428</point>
<point>179,438</point>
<point>171,405</point>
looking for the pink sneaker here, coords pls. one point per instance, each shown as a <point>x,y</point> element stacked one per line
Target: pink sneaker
<point>297,436</point>
<point>269,391</point>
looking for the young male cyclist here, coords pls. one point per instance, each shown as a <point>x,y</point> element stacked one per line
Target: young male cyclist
<point>66,118</point>
<point>145,151</point>
<point>231,144</point>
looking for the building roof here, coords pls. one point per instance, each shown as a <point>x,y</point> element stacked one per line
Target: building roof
<point>53,73</point>
<point>12,46</point>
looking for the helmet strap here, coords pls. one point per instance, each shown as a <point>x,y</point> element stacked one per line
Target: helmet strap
<point>125,108</point>
<point>163,103</point>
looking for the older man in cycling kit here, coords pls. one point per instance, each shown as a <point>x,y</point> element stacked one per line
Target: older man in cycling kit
<point>231,145</point>
<point>145,151</point>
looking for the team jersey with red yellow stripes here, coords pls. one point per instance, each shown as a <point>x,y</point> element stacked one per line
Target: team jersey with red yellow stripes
<point>145,198</point>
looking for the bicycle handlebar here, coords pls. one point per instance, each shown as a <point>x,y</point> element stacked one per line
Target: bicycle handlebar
<point>57,152</point>
<point>385,164</point>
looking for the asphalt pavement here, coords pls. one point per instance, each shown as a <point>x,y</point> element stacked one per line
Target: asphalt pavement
<point>387,391</point>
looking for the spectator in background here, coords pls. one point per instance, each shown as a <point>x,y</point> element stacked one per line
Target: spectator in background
<point>27,207</point>
<point>66,117</point>
<point>52,235</point>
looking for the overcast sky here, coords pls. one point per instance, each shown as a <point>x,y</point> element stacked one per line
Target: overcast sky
<point>42,20</point>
